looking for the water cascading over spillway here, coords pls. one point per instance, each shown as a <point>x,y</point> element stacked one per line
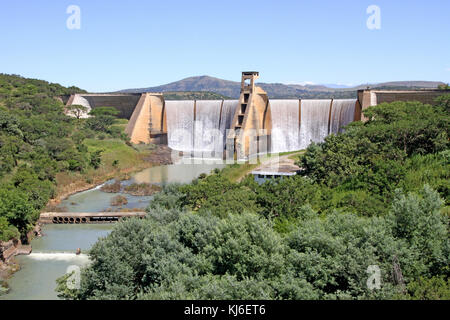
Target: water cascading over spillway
<point>206,135</point>
<point>213,118</point>
<point>285,125</point>
<point>180,125</point>
<point>228,110</point>
<point>314,121</point>
<point>59,256</point>
<point>342,113</point>
<point>290,134</point>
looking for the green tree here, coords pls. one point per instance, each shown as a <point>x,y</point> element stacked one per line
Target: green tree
<point>435,288</point>
<point>96,158</point>
<point>77,110</point>
<point>418,220</point>
<point>16,208</point>
<point>7,231</point>
<point>104,111</point>
<point>444,102</point>
<point>102,118</point>
<point>444,86</point>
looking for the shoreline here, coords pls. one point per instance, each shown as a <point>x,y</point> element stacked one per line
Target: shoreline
<point>159,157</point>
<point>99,181</point>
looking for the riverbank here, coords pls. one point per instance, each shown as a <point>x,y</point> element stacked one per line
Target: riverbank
<point>144,157</point>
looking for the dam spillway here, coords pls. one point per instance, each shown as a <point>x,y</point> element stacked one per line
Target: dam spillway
<point>342,114</point>
<point>285,125</point>
<point>314,121</point>
<point>208,140</point>
<point>199,127</point>
<point>205,128</point>
<point>297,123</point>
<point>228,110</point>
<point>180,125</point>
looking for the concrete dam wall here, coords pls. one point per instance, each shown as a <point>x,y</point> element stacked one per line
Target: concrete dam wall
<point>248,126</point>
<point>125,103</point>
<point>367,98</point>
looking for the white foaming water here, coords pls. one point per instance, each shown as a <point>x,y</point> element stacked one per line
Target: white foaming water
<point>180,124</point>
<point>228,110</point>
<point>342,114</point>
<point>59,256</point>
<point>314,121</point>
<point>207,135</point>
<point>99,186</point>
<point>285,125</point>
<point>94,188</point>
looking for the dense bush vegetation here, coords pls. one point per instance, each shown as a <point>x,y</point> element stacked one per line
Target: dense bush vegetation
<point>374,195</point>
<point>38,141</point>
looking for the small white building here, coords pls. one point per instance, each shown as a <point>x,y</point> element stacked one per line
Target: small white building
<point>263,176</point>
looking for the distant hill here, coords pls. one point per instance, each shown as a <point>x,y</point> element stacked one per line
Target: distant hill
<point>232,89</point>
<point>202,83</point>
<point>402,84</point>
<point>194,95</point>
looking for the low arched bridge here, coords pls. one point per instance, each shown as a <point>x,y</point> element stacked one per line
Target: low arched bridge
<point>86,217</point>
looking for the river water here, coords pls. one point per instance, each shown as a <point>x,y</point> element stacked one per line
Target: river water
<point>55,251</point>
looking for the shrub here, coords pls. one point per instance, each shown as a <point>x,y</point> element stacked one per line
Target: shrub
<point>119,201</point>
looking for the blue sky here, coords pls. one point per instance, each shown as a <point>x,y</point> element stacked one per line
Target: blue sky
<point>129,44</point>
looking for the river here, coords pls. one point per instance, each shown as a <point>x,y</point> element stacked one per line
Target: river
<point>55,251</point>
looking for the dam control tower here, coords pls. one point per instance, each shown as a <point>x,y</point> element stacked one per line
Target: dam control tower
<point>251,122</point>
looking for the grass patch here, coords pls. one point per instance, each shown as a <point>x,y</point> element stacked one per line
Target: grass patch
<point>119,201</point>
<point>4,288</point>
<point>120,123</point>
<point>115,150</point>
<point>236,172</point>
<point>141,189</point>
<point>296,155</point>
<point>112,187</point>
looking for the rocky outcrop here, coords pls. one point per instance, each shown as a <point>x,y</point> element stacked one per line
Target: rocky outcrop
<point>14,247</point>
<point>161,155</point>
<point>11,249</point>
<point>8,249</point>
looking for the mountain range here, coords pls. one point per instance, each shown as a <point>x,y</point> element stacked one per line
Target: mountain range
<point>231,89</point>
